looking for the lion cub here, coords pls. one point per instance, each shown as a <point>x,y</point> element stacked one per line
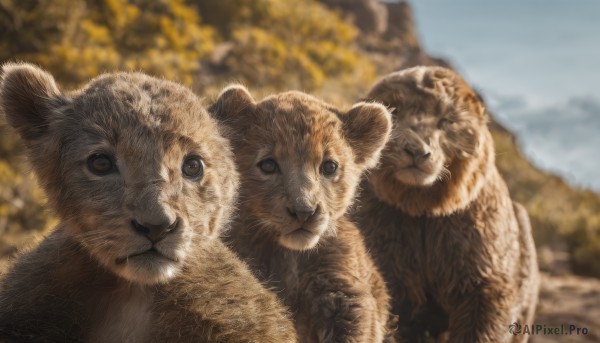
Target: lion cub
<point>143,183</point>
<point>301,160</point>
<point>438,217</point>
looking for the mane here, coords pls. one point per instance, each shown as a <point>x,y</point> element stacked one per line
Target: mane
<point>435,90</point>
<point>444,197</point>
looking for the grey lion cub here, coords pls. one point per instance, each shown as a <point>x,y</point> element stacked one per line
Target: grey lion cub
<point>143,184</point>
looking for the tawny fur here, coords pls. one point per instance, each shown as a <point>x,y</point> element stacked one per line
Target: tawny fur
<point>318,266</point>
<point>100,278</point>
<point>456,252</point>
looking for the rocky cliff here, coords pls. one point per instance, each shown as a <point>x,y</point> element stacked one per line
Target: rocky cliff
<point>258,42</point>
<point>564,218</point>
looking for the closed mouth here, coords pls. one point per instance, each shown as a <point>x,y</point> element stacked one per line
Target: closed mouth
<point>300,233</point>
<point>152,253</point>
<point>300,230</point>
<point>413,167</point>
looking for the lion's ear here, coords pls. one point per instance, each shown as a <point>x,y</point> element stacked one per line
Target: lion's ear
<point>28,96</point>
<point>233,101</point>
<point>367,128</point>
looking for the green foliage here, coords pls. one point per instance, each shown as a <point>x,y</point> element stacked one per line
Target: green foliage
<point>77,40</point>
<point>227,15</point>
<point>275,44</point>
<point>286,44</point>
<point>584,248</point>
<point>562,217</point>
<point>23,217</point>
<point>268,44</point>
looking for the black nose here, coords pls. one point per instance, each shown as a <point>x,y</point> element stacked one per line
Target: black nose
<point>419,155</point>
<point>303,214</point>
<point>155,232</point>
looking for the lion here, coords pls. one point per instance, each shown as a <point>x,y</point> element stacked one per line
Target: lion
<point>143,182</point>
<point>456,252</point>
<point>300,161</point>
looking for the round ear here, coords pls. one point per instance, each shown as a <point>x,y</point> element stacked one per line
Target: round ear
<point>231,103</point>
<point>27,96</point>
<point>367,127</point>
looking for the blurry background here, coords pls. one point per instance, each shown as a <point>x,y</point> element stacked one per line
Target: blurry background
<point>534,62</point>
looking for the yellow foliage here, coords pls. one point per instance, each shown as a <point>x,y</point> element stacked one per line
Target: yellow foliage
<point>562,217</point>
<point>294,46</point>
<point>23,213</point>
<point>277,44</point>
<point>163,38</point>
<point>22,205</point>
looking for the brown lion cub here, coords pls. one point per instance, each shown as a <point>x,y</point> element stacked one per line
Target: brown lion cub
<point>301,160</point>
<point>439,219</point>
<point>143,183</point>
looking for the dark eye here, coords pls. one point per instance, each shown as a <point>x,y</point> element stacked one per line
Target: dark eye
<point>100,164</point>
<point>268,166</point>
<point>444,122</point>
<point>193,168</point>
<point>329,168</point>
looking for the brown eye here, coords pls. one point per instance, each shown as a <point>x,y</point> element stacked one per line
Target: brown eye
<point>329,168</point>
<point>193,168</point>
<point>100,164</point>
<point>268,166</point>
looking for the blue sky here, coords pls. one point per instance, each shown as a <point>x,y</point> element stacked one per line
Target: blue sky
<point>536,63</point>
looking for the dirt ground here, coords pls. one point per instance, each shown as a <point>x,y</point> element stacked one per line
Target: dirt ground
<point>568,300</point>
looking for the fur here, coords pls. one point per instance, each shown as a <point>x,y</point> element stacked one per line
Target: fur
<point>318,266</point>
<point>101,275</point>
<point>437,216</point>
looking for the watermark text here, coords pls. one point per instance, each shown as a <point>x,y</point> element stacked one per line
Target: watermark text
<point>543,329</point>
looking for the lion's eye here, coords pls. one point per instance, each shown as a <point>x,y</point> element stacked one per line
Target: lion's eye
<point>193,167</point>
<point>268,166</point>
<point>444,122</point>
<point>329,168</point>
<point>100,164</point>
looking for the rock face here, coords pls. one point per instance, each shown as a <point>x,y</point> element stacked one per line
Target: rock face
<point>388,30</point>
<point>401,26</point>
<point>564,299</point>
<point>370,16</point>
<point>391,21</point>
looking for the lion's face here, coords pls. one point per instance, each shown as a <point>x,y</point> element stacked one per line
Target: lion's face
<point>441,148</point>
<point>437,120</point>
<point>298,163</point>
<point>426,140</point>
<point>137,171</point>
<point>300,178</point>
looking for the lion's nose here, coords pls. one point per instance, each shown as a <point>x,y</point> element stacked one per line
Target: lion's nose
<point>156,231</point>
<point>303,213</point>
<point>418,155</point>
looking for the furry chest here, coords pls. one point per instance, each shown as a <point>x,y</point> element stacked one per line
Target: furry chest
<point>123,316</point>
<point>289,278</point>
<point>432,248</point>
